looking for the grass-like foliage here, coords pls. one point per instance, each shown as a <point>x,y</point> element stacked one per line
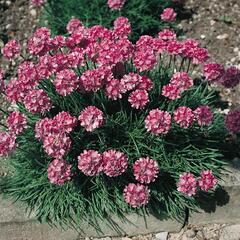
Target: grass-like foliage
<point>144,15</point>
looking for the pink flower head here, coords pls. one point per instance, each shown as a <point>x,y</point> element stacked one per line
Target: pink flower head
<point>232,121</point>
<point>59,172</point>
<point>44,66</point>
<point>184,117</point>
<point>93,80</point>
<point>37,3</point>
<point>114,89</point>
<point>158,122</point>
<point>115,163</point>
<point>187,184</point>
<point>174,47</point>
<point>145,170</point>
<point>57,42</point>
<point>56,145</point>
<point>66,82</point>
<point>145,60</point>
<point>7,143</point>
<point>91,118</point>
<point>138,99</point>
<point>12,49</point>
<point>213,71</point>
<point>188,47</point>
<point>46,126</point>
<point>145,83</point>
<point>122,27</point>
<point>167,34</point>
<point>200,55</point>
<point>231,77</point>
<point>16,122</point>
<point>76,58</point>
<point>144,42</point>
<point>182,80</point>
<point>73,25</point>
<point>130,81</point>
<point>65,122</point>
<point>168,15</point>
<point>116,4</point>
<point>37,101</point>
<point>171,91</point>
<point>90,162</point>
<point>136,195</point>
<point>38,43</point>
<point>204,115</point>
<point>207,180</point>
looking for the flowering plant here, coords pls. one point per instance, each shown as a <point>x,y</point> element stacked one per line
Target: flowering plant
<point>103,126</point>
<point>144,15</point>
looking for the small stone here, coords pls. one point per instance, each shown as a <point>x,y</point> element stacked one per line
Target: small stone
<point>190,233</point>
<point>236,49</point>
<point>231,232</point>
<point>33,12</point>
<point>222,36</point>
<point>8,26</point>
<point>8,3</point>
<point>202,36</point>
<point>161,236</point>
<point>212,22</point>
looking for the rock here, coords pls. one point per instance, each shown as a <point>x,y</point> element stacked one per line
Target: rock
<point>202,36</point>
<point>161,236</point>
<point>230,233</point>
<point>33,12</point>
<point>190,233</point>
<point>8,3</point>
<point>222,36</point>
<point>236,49</point>
<point>8,26</point>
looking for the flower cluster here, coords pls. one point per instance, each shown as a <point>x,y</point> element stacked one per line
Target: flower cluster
<point>7,143</point>
<point>188,183</point>
<point>37,3</point>
<point>16,122</point>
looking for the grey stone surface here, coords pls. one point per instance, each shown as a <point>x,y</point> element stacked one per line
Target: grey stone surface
<point>225,208</point>
<point>11,212</point>
<point>231,233</point>
<point>29,230</point>
<point>34,231</point>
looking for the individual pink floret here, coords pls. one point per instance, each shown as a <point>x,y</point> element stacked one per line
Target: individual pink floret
<point>59,171</point>
<point>90,162</point>
<point>91,118</point>
<point>145,170</point>
<point>136,195</point>
<point>115,163</point>
<point>207,180</point>
<point>158,122</point>
<point>187,184</point>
